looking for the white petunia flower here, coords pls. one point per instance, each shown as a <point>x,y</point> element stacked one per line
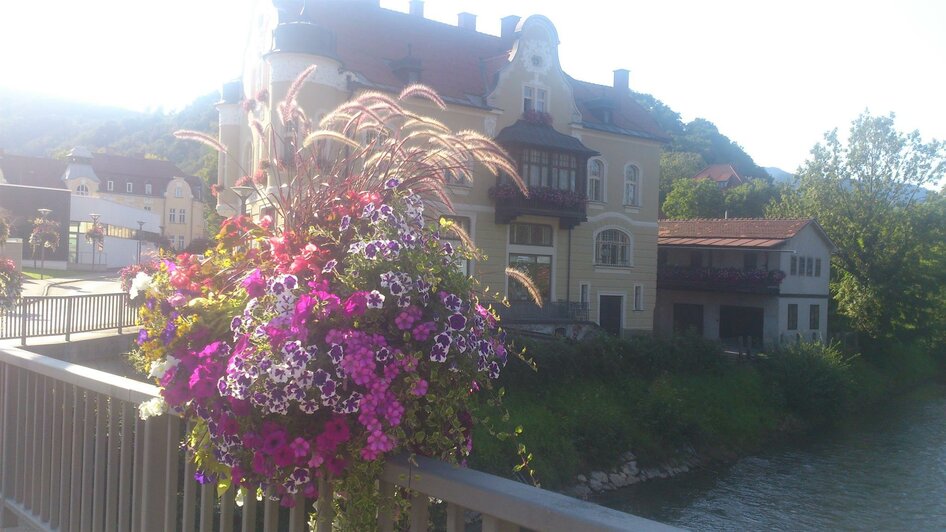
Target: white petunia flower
<point>141,283</point>
<point>154,407</point>
<point>160,367</point>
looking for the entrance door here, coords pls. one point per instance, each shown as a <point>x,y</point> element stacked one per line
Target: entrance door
<point>735,322</point>
<point>687,317</point>
<point>609,313</point>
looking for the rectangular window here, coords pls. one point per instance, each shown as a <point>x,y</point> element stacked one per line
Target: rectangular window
<point>539,270</point>
<point>129,187</point>
<point>110,185</point>
<point>792,317</point>
<point>147,207</point>
<point>814,317</point>
<point>750,261</point>
<point>584,295</point>
<point>530,234</point>
<point>181,217</point>
<point>534,99</point>
<point>180,242</point>
<point>595,180</point>
<point>817,267</point>
<point>809,266</point>
<point>794,266</point>
<point>171,215</point>
<point>540,168</point>
<point>179,191</point>
<point>147,188</point>
<point>638,297</point>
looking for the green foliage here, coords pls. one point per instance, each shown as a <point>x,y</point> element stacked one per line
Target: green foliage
<point>675,166</point>
<point>690,198</point>
<point>701,136</point>
<point>749,200</point>
<point>889,268</point>
<point>811,379</point>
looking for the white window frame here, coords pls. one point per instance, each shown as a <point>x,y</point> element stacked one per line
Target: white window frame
<point>129,187</point>
<point>110,185</point>
<point>182,216</point>
<point>532,96</point>
<point>584,293</point>
<point>629,247</point>
<point>638,297</point>
<point>513,249</point>
<point>602,180</point>
<point>82,189</point>
<point>178,191</point>
<point>634,201</point>
<point>172,215</point>
<point>148,188</point>
<point>180,242</point>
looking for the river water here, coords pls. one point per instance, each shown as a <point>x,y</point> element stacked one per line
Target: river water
<point>884,471</point>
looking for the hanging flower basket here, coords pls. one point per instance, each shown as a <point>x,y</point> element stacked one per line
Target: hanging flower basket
<point>45,234</point>
<point>311,345</point>
<point>96,236</point>
<point>11,283</point>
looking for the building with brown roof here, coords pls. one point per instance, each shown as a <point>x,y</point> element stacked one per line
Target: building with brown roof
<point>724,175</point>
<point>595,259</point>
<point>742,280</point>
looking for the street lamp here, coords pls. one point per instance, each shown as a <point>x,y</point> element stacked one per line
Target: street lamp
<point>95,221</point>
<point>243,192</point>
<point>44,213</point>
<point>140,227</point>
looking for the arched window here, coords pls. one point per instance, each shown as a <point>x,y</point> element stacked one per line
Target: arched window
<point>595,180</point>
<point>613,248</point>
<point>82,190</point>
<point>632,185</point>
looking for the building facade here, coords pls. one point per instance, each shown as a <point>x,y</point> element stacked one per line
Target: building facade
<point>590,155</point>
<point>742,280</point>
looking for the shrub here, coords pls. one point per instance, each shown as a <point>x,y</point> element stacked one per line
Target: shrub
<point>812,379</point>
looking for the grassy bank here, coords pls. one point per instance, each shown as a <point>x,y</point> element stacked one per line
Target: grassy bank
<point>590,402</point>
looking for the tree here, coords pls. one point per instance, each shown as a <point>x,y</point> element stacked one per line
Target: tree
<point>865,195</point>
<point>690,198</point>
<point>675,166</point>
<point>749,200</point>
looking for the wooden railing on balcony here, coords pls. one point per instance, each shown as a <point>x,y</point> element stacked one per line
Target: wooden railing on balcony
<point>74,456</point>
<point>32,316</point>
<point>720,279</point>
<point>566,205</point>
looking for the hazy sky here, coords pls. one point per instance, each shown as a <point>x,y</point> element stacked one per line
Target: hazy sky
<point>772,76</point>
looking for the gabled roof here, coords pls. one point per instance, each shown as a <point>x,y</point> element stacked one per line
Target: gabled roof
<point>733,232</point>
<point>462,65</point>
<point>719,173</point>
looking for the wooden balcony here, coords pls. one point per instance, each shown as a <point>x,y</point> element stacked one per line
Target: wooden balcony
<point>733,280</point>
<point>75,456</point>
<point>568,206</point>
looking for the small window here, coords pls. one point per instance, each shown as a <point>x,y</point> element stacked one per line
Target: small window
<point>181,217</point>
<point>462,222</point>
<point>631,185</point>
<point>534,99</point>
<point>595,180</point>
<point>179,191</point>
<point>171,215</point>
<point>129,187</point>
<point>82,190</point>
<point>539,270</point>
<point>814,317</point>
<point>148,188</point>
<point>530,234</point>
<point>792,317</point>
<point>147,207</point>
<point>638,297</point>
<point>817,267</point>
<point>180,242</point>
<point>110,185</point>
<point>809,266</point>
<point>584,295</point>
<point>794,266</point>
<point>613,248</point>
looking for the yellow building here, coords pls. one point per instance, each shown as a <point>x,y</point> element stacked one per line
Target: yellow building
<point>589,153</point>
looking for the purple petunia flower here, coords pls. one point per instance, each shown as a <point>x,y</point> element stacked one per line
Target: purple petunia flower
<point>345,223</point>
<point>329,266</point>
<point>375,299</point>
<point>142,336</point>
<point>392,183</point>
<point>456,321</point>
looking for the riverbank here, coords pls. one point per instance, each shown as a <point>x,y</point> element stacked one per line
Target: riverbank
<point>676,405</point>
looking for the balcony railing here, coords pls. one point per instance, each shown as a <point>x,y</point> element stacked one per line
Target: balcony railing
<point>551,311</point>
<point>74,456</point>
<point>566,205</point>
<point>720,279</point>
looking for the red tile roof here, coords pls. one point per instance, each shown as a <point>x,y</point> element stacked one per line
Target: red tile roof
<point>460,64</point>
<point>731,232</point>
<point>719,173</point>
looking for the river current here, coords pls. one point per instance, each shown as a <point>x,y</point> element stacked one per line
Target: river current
<point>883,471</point>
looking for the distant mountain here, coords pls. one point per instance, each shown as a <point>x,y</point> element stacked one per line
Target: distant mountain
<point>779,175</point>
<point>50,127</point>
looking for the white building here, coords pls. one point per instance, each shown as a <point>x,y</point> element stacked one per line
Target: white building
<point>744,278</point>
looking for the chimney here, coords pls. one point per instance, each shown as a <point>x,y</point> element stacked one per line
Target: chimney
<point>621,80</point>
<point>508,25</point>
<point>466,21</point>
<point>417,8</point>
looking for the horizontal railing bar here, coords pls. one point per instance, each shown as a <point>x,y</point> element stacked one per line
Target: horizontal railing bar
<point>507,500</point>
<point>94,380</point>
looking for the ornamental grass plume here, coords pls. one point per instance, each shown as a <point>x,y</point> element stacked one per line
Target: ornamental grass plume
<point>309,345</point>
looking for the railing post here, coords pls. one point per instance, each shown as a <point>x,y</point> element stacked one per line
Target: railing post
<point>154,473</point>
<point>8,459</point>
<point>68,317</point>
<point>120,310</point>
<point>22,321</point>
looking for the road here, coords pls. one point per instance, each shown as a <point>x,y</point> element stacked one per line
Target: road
<point>77,283</point>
